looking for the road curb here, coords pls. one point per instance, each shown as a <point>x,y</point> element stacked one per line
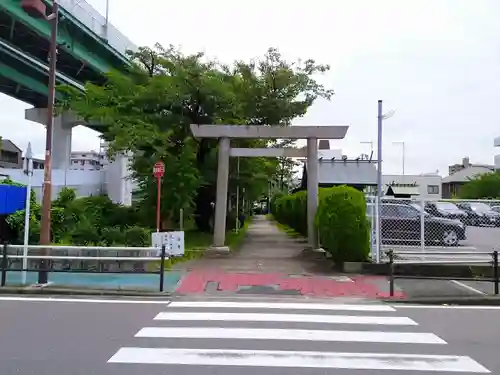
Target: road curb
<point>79,292</point>
<point>483,301</point>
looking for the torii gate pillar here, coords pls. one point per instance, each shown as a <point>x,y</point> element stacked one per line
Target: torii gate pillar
<point>225,132</point>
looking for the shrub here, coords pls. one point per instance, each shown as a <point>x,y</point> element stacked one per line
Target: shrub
<point>340,220</point>
<point>84,234</point>
<point>137,236</point>
<point>343,228</point>
<point>291,210</point>
<point>112,236</point>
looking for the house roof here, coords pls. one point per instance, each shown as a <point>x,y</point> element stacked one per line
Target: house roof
<point>466,174</point>
<point>350,172</point>
<point>8,145</point>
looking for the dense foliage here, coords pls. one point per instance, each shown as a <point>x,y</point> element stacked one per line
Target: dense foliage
<point>483,186</point>
<point>91,220</point>
<point>148,112</point>
<point>340,220</point>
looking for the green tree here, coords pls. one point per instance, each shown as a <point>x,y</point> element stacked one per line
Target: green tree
<point>149,110</point>
<point>483,186</point>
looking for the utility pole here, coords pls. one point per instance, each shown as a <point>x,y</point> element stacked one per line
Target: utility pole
<point>37,9</point>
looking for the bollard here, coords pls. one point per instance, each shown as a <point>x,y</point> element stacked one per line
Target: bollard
<point>162,266</point>
<point>495,270</point>
<point>4,265</point>
<point>390,253</point>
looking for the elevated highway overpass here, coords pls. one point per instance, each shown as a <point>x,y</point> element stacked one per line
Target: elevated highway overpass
<point>88,47</point>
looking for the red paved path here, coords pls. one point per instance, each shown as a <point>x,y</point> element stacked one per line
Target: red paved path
<point>360,286</point>
<point>267,258</point>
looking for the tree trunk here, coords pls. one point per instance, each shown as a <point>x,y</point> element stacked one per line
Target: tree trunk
<point>204,210</point>
<point>205,195</point>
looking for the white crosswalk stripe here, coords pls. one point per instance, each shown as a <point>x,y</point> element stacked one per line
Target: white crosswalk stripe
<point>290,335</point>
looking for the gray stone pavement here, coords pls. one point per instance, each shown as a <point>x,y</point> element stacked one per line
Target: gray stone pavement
<point>195,337</point>
<point>265,249</point>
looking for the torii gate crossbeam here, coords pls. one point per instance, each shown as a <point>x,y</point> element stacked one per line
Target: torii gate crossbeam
<point>226,132</point>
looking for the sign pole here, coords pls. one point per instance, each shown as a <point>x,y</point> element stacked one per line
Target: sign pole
<point>158,172</point>
<point>158,202</point>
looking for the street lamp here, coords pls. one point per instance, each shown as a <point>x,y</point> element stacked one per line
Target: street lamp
<point>37,9</point>
<point>402,143</point>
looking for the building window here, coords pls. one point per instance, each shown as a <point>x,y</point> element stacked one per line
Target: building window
<point>9,156</point>
<point>432,189</point>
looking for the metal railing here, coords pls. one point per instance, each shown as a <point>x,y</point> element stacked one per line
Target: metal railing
<point>98,24</point>
<point>459,257</point>
<point>8,259</point>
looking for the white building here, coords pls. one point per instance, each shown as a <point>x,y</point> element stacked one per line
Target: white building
<point>424,186</point>
<point>86,160</point>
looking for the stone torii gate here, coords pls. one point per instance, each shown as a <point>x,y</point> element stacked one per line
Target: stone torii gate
<point>226,132</point>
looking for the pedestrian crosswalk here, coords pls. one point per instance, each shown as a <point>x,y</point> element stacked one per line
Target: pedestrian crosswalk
<point>323,336</point>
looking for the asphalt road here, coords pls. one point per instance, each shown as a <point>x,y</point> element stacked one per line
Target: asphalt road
<point>483,238</point>
<point>118,338</point>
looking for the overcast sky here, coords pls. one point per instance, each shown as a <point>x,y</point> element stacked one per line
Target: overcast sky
<point>436,62</point>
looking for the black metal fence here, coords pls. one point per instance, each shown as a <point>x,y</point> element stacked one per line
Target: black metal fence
<point>46,262</point>
<point>393,261</point>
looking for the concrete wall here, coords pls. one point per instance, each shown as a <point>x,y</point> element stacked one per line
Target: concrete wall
<point>119,185</point>
<point>113,181</point>
<point>85,183</point>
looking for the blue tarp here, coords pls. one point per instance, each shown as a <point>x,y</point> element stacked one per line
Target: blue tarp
<point>12,199</point>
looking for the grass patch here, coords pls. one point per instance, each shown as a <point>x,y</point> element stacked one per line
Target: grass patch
<point>284,228</point>
<point>235,240</point>
<point>197,242</point>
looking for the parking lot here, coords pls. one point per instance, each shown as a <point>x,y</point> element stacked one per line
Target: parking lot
<point>479,239</point>
<point>482,238</point>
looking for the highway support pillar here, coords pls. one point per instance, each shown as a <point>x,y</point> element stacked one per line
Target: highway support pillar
<point>62,134</point>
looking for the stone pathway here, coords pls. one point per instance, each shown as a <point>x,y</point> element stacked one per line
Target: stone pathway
<point>270,262</point>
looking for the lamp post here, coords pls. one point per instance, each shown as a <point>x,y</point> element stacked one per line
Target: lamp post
<point>381,116</point>
<point>37,9</point>
<point>402,143</point>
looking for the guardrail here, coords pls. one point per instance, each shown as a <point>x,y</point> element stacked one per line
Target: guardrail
<point>46,260</point>
<point>461,257</point>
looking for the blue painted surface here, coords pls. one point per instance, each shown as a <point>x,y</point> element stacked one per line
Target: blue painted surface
<point>102,281</point>
<point>12,199</point>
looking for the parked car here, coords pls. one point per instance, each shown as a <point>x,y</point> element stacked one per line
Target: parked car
<point>496,208</point>
<point>480,213</point>
<point>401,222</point>
<point>446,210</point>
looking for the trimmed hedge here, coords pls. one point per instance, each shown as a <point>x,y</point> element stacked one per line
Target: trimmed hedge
<point>340,220</point>
<point>291,210</point>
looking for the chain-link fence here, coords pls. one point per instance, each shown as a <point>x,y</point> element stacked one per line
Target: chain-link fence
<point>428,226</point>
